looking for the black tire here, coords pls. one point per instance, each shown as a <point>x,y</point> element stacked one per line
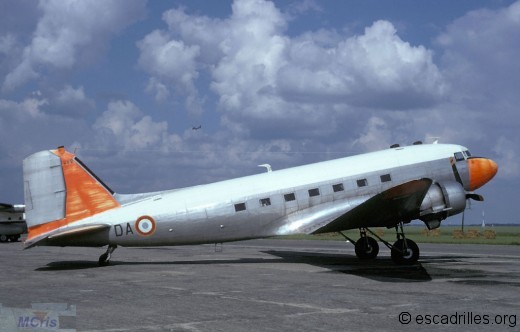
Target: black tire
<point>14,238</point>
<point>103,260</point>
<point>405,255</point>
<point>3,238</point>
<point>366,248</point>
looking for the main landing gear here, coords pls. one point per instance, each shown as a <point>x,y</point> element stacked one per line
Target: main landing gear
<point>104,259</point>
<point>403,252</point>
<point>366,247</point>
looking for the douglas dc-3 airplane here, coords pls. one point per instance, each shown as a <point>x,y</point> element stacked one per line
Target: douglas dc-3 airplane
<point>67,205</point>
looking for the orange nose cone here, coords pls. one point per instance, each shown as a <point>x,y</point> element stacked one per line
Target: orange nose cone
<point>481,170</point>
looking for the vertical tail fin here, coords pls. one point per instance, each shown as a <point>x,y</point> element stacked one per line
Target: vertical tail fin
<point>59,190</point>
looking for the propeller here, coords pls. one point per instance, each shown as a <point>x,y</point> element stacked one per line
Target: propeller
<point>475,197</point>
<point>462,225</point>
<point>469,197</point>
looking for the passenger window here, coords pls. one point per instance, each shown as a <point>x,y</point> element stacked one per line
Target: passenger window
<point>386,178</point>
<point>338,187</point>
<point>314,192</point>
<point>459,156</point>
<point>289,197</point>
<point>362,183</point>
<point>240,207</point>
<point>265,202</point>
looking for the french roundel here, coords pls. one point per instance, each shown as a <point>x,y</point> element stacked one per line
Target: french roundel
<point>145,225</point>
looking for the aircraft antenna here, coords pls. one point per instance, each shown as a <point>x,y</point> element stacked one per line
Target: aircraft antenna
<point>434,138</point>
<point>267,167</point>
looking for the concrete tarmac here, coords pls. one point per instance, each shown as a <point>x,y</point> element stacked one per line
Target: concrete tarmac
<point>269,285</point>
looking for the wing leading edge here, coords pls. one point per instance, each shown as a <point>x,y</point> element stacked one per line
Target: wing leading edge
<point>386,209</point>
<point>399,203</point>
<point>4,207</point>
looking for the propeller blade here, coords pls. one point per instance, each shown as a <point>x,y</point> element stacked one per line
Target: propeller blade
<point>475,197</point>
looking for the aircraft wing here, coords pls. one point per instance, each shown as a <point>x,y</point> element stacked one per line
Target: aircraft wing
<point>5,207</point>
<point>399,203</point>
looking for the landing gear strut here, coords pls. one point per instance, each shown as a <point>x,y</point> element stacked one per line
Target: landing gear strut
<point>404,251</point>
<point>104,259</point>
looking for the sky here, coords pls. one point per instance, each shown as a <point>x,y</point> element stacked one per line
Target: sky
<point>122,83</point>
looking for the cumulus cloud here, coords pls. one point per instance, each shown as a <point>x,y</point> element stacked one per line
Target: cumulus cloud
<point>71,31</point>
<point>170,61</point>
<point>69,102</point>
<point>26,128</point>
<point>154,158</point>
<point>123,125</point>
<point>262,76</point>
<point>479,57</point>
<point>253,52</point>
<point>376,70</point>
<point>11,111</point>
<point>376,135</point>
<point>480,61</point>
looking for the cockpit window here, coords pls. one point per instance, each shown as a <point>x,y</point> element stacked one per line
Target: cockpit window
<point>459,156</point>
<point>467,153</point>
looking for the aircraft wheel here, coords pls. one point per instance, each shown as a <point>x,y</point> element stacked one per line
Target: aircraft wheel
<point>3,238</point>
<point>366,248</point>
<point>405,255</point>
<point>104,260</point>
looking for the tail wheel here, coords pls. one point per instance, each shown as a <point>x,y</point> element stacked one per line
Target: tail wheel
<point>104,260</point>
<point>366,248</point>
<point>405,252</point>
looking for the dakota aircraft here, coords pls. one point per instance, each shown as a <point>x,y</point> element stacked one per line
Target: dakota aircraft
<point>66,204</point>
<point>12,222</point>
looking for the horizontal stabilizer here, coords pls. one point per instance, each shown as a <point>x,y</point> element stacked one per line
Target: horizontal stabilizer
<point>72,236</point>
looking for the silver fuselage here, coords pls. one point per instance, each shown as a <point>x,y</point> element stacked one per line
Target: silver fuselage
<point>207,213</point>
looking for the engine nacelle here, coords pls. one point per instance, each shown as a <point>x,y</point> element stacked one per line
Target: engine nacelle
<point>441,201</point>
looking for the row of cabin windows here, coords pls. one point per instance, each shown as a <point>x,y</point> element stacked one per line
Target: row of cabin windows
<point>313,192</point>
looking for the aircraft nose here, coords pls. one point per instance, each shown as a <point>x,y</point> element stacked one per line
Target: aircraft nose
<point>481,170</point>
